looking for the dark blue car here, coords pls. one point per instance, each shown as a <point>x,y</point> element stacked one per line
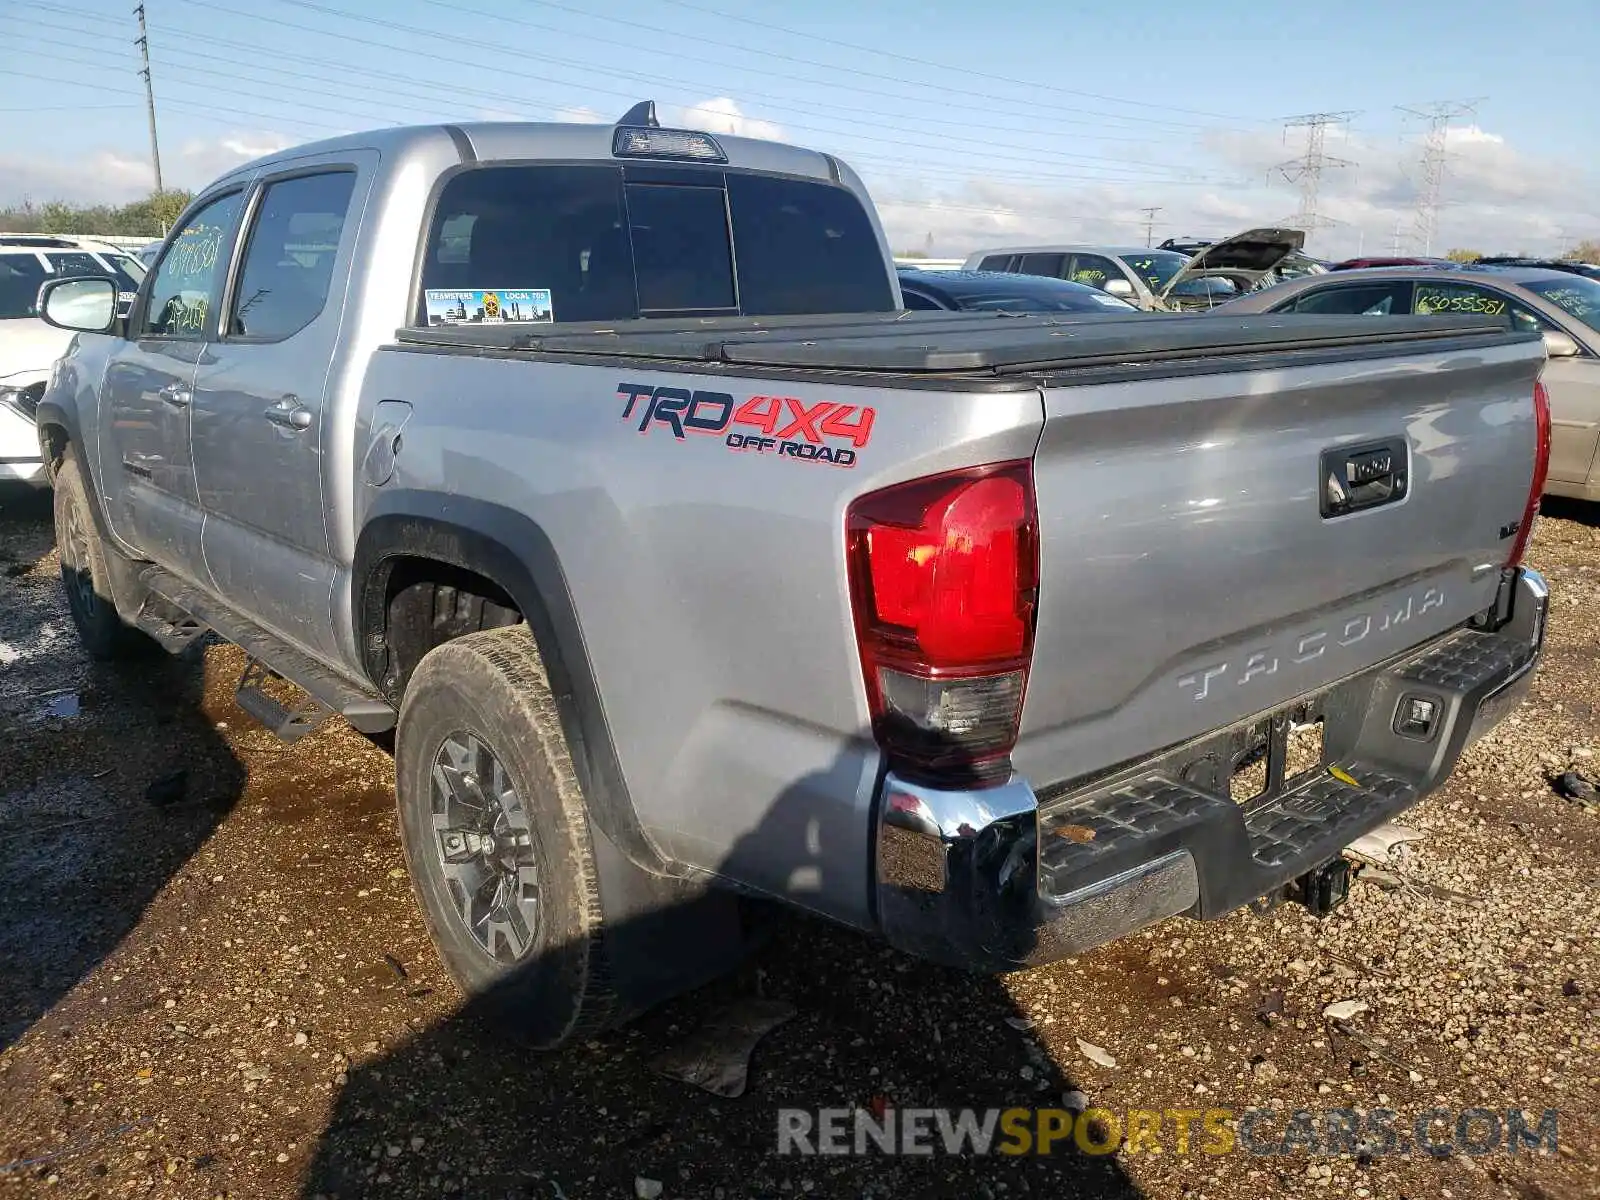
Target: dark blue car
<point>1000,291</point>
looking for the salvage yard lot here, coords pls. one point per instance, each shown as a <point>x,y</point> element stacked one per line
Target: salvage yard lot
<point>213,980</point>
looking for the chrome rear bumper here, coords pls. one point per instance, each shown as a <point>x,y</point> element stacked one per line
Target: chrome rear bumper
<point>1000,878</point>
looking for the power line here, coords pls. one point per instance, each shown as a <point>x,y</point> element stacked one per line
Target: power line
<point>241,80</point>
<point>782,108</point>
<point>946,67</point>
<point>1031,158</point>
<point>1150,224</point>
<point>1307,169</point>
<point>149,94</point>
<point>1119,169</point>
<point>987,144</point>
<point>1435,156</point>
<point>941,88</point>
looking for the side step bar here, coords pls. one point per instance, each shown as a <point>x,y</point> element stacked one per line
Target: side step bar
<point>328,693</point>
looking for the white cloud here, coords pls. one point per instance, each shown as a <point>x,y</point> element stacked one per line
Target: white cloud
<point>1496,198</point>
<point>113,177</point>
<point>723,115</point>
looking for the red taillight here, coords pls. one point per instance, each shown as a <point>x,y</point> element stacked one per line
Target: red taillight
<point>944,576</point>
<point>1541,468</point>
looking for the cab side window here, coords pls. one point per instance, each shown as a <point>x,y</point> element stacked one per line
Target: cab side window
<point>289,257</point>
<point>996,262</point>
<point>190,273</point>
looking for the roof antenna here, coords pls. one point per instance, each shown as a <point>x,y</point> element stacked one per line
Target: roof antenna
<point>642,113</point>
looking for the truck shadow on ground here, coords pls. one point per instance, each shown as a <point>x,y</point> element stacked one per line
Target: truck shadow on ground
<point>1563,509</point>
<point>462,1110</point>
<point>91,827</point>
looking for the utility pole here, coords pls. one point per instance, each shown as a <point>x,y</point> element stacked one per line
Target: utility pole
<point>149,95</point>
<point>1435,154</point>
<point>1307,169</point>
<point>1150,224</point>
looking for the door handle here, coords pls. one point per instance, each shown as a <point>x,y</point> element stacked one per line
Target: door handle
<point>176,395</point>
<point>1362,477</point>
<point>289,413</point>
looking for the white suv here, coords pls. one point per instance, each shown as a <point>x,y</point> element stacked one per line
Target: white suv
<point>29,347</point>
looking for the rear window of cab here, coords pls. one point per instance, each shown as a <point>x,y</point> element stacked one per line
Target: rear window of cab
<point>600,242</point>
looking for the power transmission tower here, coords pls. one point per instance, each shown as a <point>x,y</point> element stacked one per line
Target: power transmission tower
<point>149,94</point>
<point>1150,224</point>
<point>1308,168</point>
<point>1435,156</point>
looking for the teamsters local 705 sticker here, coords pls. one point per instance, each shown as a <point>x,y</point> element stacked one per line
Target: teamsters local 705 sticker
<point>488,306</point>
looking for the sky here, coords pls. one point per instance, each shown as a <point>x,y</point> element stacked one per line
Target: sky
<point>973,125</point>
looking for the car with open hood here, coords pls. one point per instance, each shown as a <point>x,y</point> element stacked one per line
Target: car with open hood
<point>1157,280</point>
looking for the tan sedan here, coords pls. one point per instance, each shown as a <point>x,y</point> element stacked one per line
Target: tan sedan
<point>1565,307</point>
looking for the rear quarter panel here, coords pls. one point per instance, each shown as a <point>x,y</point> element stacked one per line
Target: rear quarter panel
<point>709,584</point>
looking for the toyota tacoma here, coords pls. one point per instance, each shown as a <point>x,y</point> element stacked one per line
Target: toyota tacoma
<point>600,471</point>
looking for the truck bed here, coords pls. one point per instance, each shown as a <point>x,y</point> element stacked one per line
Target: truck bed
<point>1188,579</point>
<point>911,347</point>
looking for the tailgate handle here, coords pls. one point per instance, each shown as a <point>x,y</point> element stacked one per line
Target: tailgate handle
<point>1354,478</point>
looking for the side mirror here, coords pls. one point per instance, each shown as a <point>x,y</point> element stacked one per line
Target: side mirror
<point>87,305</point>
<point>1119,287</point>
<point>1561,345</point>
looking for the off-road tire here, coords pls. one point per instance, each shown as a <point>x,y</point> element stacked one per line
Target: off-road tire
<point>492,686</point>
<point>84,576</point>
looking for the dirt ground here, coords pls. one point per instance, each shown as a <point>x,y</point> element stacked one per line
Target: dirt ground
<point>214,982</point>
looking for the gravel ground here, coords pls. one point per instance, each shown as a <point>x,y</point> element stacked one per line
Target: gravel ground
<point>213,981</point>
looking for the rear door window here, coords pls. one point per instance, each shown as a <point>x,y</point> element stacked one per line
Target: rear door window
<point>586,243</point>
<point>21,277</point>
<point>1042,264</point>
<point>289,256</point>
<point>996,262</point>
<point>1387,299</point>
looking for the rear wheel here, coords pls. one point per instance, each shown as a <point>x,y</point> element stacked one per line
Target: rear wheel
<point>105,635</point>
<point>497,839</point>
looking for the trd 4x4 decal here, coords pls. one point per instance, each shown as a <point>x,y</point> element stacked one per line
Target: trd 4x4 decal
<point>781,425</point>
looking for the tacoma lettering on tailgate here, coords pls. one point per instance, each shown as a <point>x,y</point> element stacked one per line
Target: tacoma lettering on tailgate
<point>1310,644</point>
<point>782,425</point>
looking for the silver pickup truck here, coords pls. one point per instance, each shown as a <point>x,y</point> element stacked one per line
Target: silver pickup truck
<point>601,471</point>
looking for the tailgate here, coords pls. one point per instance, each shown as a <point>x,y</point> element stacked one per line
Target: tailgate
<point>1193,572</point>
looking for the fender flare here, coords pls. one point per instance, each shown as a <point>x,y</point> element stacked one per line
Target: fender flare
<point>50,413</point>
<point>478,536</point>
<point>128,591</point>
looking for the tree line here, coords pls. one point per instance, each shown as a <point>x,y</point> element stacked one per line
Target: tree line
<point>1586,251</point>
<point>150,217</point>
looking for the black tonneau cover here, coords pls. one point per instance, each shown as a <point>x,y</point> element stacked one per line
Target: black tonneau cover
<point>946,342</point>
